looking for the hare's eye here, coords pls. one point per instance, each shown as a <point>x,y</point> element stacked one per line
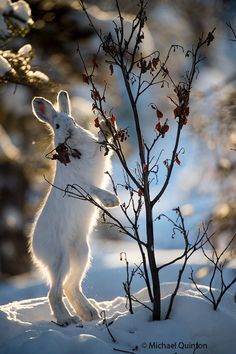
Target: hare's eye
<point>57,126</point>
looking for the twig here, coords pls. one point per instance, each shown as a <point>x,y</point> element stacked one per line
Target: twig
<point>127,284</point>
<point>228,24</point>
<point>107,325</point>
<point>188,251</point>
<point>141,303</point>
<point>218,268</point>
<point>123,351</point>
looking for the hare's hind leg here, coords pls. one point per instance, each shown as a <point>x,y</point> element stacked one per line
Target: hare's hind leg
<point>78,267</point>
<point>58,272</point>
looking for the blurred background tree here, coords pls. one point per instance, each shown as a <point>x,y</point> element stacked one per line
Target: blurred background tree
<point>39,55</point>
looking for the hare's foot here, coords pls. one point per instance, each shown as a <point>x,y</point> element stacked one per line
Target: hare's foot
<point>61,314</point>
<point>59,310</point>
<point>83,308</point>
<point>66,321</point>
<point>88,313</point>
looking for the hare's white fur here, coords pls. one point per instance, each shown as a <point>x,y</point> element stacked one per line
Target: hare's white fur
<point>60,236</point>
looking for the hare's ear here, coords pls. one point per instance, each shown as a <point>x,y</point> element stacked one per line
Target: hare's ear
<point>43,109</point>
<point>64,102</point>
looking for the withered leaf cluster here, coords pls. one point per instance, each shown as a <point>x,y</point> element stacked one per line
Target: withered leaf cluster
<point>63,152</point>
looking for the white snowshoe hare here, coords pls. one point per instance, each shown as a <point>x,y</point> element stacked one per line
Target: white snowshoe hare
<point>60,236</point>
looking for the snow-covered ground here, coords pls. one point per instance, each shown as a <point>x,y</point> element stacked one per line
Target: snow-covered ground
<point>26,327</point>
<point>194,327</point>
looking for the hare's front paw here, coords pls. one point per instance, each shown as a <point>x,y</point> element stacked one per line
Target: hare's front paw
<point>110,201</point>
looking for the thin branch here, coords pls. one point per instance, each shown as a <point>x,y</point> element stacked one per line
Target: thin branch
<point>170,168</point>
<point>141,303</point>
<point>228,24</point>
<point>107,325</point>
<point>123,351</point>
<point>218,268</point>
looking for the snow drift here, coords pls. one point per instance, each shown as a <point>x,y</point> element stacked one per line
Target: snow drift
<point>26,327</point>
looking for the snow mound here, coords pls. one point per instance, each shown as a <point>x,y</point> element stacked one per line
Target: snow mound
<point>194,327</point>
